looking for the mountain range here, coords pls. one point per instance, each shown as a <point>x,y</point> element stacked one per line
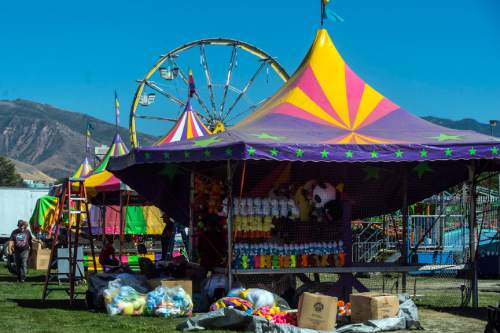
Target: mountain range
<point>52,140</point>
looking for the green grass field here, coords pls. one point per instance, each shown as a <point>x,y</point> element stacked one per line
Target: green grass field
<point>21,310</point>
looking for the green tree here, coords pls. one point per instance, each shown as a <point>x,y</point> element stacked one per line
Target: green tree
<point>8,174</point>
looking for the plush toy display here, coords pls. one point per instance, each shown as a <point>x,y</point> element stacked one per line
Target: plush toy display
<point>275,256</point>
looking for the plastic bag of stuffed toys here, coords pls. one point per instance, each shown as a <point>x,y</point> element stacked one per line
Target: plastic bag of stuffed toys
<point>163,301</point>
<point>168,302</point>
<point>123,300</point>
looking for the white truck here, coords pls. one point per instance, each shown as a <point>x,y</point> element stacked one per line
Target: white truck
<point>16,203</point>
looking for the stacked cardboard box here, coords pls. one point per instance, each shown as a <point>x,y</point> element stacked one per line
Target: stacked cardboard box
<point>40,256</point>
<point>372,306</point>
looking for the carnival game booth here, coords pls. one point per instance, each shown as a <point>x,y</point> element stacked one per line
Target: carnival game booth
<point>326,149</point>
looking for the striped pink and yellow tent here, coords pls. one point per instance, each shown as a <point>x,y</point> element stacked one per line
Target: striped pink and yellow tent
<point>101,180</point>
<point>189,126</point>
<point>83,170</point>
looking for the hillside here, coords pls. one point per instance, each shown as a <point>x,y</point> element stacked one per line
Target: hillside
<point>48,138</point>
<point>465,124</point>
<point>27,171</point>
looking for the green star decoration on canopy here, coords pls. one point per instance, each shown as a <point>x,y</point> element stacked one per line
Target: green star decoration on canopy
<point>274,152</point>
<point>251,151</point>
<point>422,168</point>
<point>494,151</point>
<point>207,142</point>
<point>399,153</point>
<point>299,153</point>
<point>448,152</point>
<point>348,154</point>
<point>324,153</point>
<point>472,151</point>
<point>374,154</point>
<point>170,170</point>
<point>267,136</point>
<point>166,155</point>
<point>229,151</point>
<point>206,153</point>
<point>187,154</point>
<point>147,155</point>
<point>446,137</point>
<point>371,173</point>
<point>423,153</point>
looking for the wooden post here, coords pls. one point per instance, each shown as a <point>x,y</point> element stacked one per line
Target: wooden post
<point>473,238</point>
<point>404,215</point>
<point>229,225</point>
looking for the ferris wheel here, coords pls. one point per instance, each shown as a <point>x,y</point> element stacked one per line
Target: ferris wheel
<point>238,79</point>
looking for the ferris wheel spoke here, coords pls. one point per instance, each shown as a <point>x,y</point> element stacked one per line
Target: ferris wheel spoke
<point>198,98</point>
<point>235,117</point>
<point>244,90</point>
<point>204,61</point>
<point>228,79</point>
<point>171,97</point>
<point>156,118</point>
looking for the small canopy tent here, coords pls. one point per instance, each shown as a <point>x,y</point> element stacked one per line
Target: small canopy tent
<point>83,170</point>
<point>330,125</point>
<point>103,188</point>
<point>102,180</point>
<point>189,126</point>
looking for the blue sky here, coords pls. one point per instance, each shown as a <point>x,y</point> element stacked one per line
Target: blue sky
<point>437,58</point>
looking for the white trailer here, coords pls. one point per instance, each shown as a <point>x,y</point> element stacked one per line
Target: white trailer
<point>16,203</point>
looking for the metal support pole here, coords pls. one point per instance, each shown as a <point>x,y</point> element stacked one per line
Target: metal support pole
<point>121,227</point>
<point>191,216</point>
<point>473,238</point>
<point>229,225</point>
<point>404,215</point>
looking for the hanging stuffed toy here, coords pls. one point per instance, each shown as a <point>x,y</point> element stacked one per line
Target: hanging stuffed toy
<point>328,198</point>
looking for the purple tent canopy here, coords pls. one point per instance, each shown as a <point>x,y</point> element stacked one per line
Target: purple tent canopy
<point>325,113</point>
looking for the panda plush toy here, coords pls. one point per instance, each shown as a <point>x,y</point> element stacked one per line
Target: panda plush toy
<point>328,200</point>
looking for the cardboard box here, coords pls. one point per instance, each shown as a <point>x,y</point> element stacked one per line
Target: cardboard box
<point>187,285</point>
<point>316,311</point>
<point>39,259</point>
<point>372,305</point>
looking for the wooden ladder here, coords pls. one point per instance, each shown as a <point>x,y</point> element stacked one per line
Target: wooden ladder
<point>72,204</point>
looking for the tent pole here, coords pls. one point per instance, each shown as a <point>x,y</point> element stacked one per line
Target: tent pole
<point>121,225</point>
<point>405,243</point>
<point>473,237</point>
<point>229,224</point>
<point>191,216</point>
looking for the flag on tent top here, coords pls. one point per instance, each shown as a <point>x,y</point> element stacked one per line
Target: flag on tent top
<point>192,88</point>
<point>327,13</point>
<point>117,109</point>
<point>88,133</point>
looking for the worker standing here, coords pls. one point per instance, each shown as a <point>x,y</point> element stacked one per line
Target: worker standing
<point>22,244</point>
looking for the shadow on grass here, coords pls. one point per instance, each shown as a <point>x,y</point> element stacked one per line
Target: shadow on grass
<point>479,313</point>
<point>37,303</point>
<point>13,278</point>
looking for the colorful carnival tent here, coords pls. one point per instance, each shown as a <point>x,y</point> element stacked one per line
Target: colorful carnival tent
<point>328,115</point>
<point>83,170</point>
<point>104,217</point>
<point>189,126</point>
<point>102,180</point>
